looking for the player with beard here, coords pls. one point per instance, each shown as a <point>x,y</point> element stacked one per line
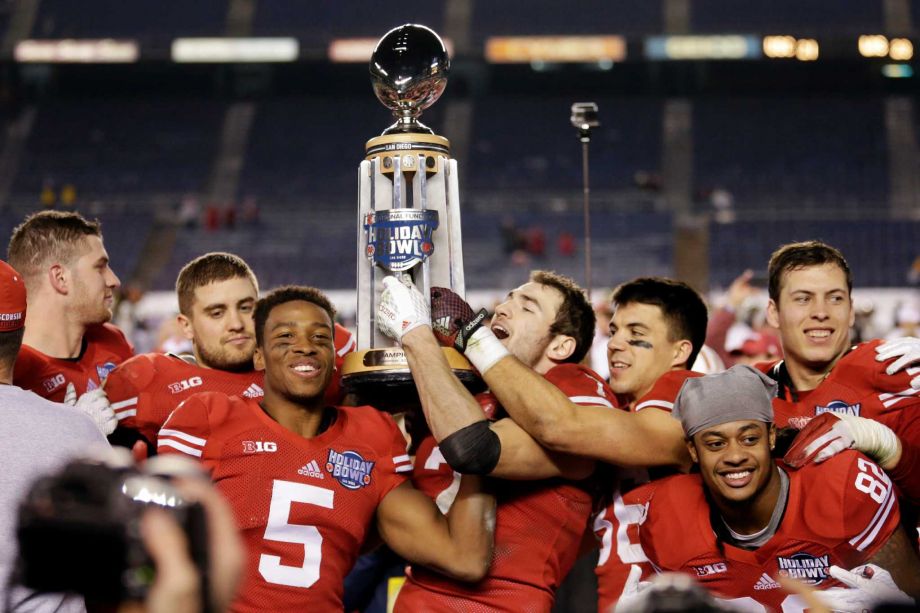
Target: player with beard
<point>746,521</point>
<point>69,347</point>
<point>306,479</point>
<point>546,499</point>
<point>217,293</point>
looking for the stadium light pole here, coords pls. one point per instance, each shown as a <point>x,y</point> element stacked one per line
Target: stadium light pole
<point>584,118</point>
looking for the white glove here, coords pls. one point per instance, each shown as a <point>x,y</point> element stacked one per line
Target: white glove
<point>870,586</point>
<point>632,598</point>
<point>821,440</point>
<point>907,350</point>
<point>95,405</point>
<point>402,308</point>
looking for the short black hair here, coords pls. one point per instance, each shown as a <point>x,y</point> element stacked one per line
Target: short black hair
<point>683,308</point>
<point>283,295</point>
<point>795,256</point>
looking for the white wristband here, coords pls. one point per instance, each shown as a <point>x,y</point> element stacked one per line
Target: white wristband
<point>483,350</point>
<point>873,438</point>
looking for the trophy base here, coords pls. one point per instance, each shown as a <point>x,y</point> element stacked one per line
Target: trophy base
<point>381,377</point>
<point>405,143</point>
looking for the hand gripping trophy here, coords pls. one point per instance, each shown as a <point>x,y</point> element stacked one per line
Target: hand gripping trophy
<point>408,210</point>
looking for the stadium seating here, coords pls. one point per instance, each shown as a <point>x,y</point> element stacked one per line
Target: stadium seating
<point>786,17</point>
<point>879,252</point>
<point>315,24</point>
<point>110,147</point>
<point>781,154</point>
<point>148,21</point>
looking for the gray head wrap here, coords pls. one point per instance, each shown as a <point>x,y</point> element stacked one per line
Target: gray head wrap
<point>739,393</point>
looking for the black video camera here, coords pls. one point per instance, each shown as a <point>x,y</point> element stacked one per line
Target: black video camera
<point>79,529</point>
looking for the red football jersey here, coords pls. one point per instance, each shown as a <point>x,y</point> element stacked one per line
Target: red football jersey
<point>615,525</point>
<point>839,512</point>
<point>538,532</point>
<point>147,388</point>
<point>303,505</point>
<point>104,347</point>
<point>858,385</point>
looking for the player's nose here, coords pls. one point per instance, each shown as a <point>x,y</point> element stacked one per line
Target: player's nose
<point>112,279</point>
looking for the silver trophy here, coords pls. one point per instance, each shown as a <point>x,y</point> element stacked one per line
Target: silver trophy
<point>408,209</point>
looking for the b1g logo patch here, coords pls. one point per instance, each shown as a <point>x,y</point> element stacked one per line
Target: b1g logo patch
<point>349,469</point>
<point>804,567</point>
<point>103,370</point>
<point>711,569</point>
<point>838,406</point>
<point>260,447</point>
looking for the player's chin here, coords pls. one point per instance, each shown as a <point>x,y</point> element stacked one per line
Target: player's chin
<point>305,396</point>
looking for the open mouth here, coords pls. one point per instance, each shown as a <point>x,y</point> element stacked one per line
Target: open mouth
<point>499,331</point>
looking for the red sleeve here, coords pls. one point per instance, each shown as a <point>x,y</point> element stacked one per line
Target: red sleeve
<point>124,387</point>
<point>27,372</point>
<point>665,390</point>
<point>381,434</point>
<point>188,428</point>
<point>582,385</point>
<point>906,475</point>
<point>394,465</point>
<point>650,530</point>
<point>433,476</point>
<point>867,502</point>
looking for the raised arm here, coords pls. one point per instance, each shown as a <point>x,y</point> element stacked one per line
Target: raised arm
<point>650,437</point>
<point>470,444</point>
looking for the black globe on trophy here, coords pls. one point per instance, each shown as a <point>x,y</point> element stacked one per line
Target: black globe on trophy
<point>408,211</point>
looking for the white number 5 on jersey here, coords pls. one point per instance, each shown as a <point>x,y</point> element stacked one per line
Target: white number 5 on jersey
<point>284,493</point>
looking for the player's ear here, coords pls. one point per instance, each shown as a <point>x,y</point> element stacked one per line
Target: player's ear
<point>692,449</point>
<point>772,436</point>
<point>682,350</point>
<point>773,314</point>
<point>185,324</point>
<point>58,278</point>
<point>258,359</point>
<point>561,347</point>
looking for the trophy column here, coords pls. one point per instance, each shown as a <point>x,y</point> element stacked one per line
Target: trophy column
<point>408,211</point>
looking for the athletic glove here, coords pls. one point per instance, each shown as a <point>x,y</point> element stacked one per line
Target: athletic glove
<point>869,586</point>
<point>455,324</point>
<point>95,405</point>
<point>402,308</point>
<point>830,433</point>
<point>632,597</point>
<point>452,319</point>
<point>907,350</point>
